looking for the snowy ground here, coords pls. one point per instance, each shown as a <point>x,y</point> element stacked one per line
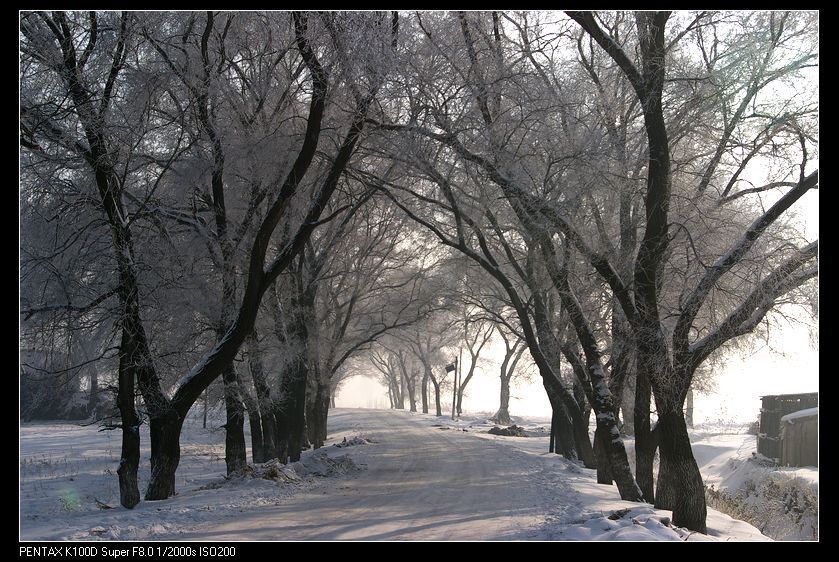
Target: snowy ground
<point>780,501</point>
<point>419,478</point>
<point>69,488</point>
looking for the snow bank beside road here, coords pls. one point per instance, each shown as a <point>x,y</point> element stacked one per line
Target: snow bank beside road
<point>783,502</point>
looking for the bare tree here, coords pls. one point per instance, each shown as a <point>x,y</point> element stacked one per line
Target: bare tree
<point>680,485</point>
<point>476,334</point>
<point>467,226</point>
<point>64,44</point>
<point>514,348</point>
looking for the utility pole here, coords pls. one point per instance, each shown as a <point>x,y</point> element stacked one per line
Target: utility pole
<point>459,380</point>
<point>454,368</point>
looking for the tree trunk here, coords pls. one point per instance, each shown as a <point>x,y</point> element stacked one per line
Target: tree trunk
<point>412,393</point>
<point>129,491</point>
<point>461,388</point>
<point>311,399</point>
<point>582,441</point>
<point>618,460</point>
<point>582,402</point>
<point>606,423</point>
<point>644,442</point>
<point>562,400</point>
<point>165,435</point>
<point>565,442</point>
<point>290,409</point>
<point>320,411</point>
<point>680,483</point>
<point>281,421</point>
<point>503,414</point>
<point>689,409</point>
<point>304,443</point>
<point>562,424</point>
<point>628,408</point>
<point>258,451</point>
<point>263,397</point>
<point>437,404</point>
<point>552,439</point>
<point>581,425</point>
<point>424,391</point>
<point>601,449</point>
<point>235,452</point>
<point>290,413</point>
<point>403,386</point>
<point>93,397</point>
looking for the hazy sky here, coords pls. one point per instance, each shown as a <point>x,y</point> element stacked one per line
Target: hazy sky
<point>787,364</point>
<point>739,385</point>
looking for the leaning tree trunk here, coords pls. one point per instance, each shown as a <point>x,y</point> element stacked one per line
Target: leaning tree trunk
<point>235,453</point>
<point>560,397</point>
<point>585,408</point>
<point>165,435</point>
<point>129,491</point>
<point>437,404</point>
<point>618,460</point>
<point>558,394</point>
<point>601,449</point>
<point>613,444</point>
<point>562,422</point>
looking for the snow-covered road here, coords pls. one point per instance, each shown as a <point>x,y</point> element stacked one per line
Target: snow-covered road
<point>421,483</point>
<point>423,478</point>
